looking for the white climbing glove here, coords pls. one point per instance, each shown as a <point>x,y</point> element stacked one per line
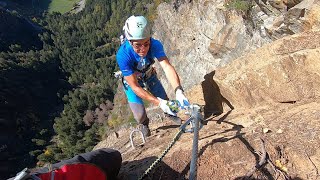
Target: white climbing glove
<point>183,101</point>
<point>169,107</point>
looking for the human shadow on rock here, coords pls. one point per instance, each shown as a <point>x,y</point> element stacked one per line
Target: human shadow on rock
<point>213,97</point>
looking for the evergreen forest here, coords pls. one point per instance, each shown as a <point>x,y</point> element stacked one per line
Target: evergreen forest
<point>56,79</point>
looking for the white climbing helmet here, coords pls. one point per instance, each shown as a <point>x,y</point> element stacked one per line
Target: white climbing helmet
<point>136,27</point>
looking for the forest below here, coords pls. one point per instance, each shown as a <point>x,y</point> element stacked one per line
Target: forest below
<point>56,79</point>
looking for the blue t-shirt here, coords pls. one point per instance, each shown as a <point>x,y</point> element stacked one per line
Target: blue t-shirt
<point>129,61</point>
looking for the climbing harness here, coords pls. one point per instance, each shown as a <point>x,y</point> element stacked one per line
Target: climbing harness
<point>142,79</point>
<point>196,122</point>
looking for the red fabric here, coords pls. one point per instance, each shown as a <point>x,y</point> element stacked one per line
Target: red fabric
<point>76,172</point>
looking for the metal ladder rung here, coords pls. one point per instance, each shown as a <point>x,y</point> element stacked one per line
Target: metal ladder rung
<point>131,138</point>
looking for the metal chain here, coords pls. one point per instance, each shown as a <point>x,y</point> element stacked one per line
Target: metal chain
<point>194,115</point>
<point>159,159</point>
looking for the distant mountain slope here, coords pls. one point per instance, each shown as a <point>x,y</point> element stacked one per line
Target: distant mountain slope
<point>17,30</point>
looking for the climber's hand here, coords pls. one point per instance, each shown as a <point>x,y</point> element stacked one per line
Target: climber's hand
<point>183,101</point>
<point>169,107</point>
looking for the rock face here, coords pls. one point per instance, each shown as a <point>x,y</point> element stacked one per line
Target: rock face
<point>257,76</point>
<point>285,71</point>
<point>202,36</point>
<point>283,4</point>
<point>257,73</point>
<point>299,18</point>
<point>199,37</point>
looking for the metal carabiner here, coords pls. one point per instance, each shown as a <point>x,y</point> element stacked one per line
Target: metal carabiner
<point>194,113</point>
